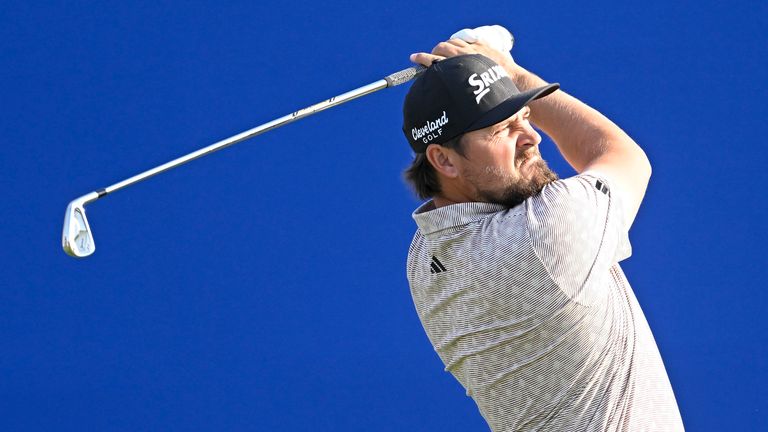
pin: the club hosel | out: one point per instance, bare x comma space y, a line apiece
87, 198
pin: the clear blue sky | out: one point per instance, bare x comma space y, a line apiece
263, 287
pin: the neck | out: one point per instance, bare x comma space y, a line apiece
450, 198
452, 192
442, 202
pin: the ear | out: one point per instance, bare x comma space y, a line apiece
442, 159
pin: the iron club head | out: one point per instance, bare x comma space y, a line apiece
77, 239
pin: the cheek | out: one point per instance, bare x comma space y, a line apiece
490, 164
510, 158
499, 154
504, 158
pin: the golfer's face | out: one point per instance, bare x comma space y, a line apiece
503, 154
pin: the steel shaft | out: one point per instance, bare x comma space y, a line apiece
77, 239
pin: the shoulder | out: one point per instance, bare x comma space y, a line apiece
577, 223
578, 199
586, 186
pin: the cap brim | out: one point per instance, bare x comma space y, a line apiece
512, 105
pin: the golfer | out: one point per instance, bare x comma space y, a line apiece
514, 272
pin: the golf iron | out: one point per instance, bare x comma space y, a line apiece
77, 238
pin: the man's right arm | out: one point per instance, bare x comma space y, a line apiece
588, 140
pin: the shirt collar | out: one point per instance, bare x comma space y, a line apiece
431, 219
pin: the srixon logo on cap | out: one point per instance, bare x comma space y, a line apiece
431, 130
484, 80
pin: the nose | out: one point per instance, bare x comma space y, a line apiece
529, 137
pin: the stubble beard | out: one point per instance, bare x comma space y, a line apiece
510, 190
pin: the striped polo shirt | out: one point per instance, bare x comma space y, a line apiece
529, 310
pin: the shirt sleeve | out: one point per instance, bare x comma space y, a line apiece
578, 230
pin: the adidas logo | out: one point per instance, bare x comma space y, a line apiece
437, 266
601, 187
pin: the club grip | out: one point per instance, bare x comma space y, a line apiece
404, 75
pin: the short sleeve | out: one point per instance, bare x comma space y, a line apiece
578, 230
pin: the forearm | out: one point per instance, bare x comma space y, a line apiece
581, 133
586, 138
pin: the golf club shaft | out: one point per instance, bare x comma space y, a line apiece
392, 80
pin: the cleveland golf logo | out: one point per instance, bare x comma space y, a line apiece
431, 130
484, 80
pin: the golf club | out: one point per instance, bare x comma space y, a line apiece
77, 238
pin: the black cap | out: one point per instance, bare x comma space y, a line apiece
461, 94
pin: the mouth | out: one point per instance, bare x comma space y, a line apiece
528, 161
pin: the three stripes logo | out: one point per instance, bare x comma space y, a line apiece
436, 266
601, 187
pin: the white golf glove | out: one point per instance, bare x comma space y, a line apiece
496, 36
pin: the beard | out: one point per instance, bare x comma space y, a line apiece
513, 190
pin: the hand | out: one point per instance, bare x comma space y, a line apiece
494, 35
491, 41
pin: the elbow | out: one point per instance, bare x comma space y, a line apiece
640, 167
640, 163
647, 169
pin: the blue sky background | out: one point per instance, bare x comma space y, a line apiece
263, 287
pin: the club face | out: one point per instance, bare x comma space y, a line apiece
77, 239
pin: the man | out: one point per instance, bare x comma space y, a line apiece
514, 273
